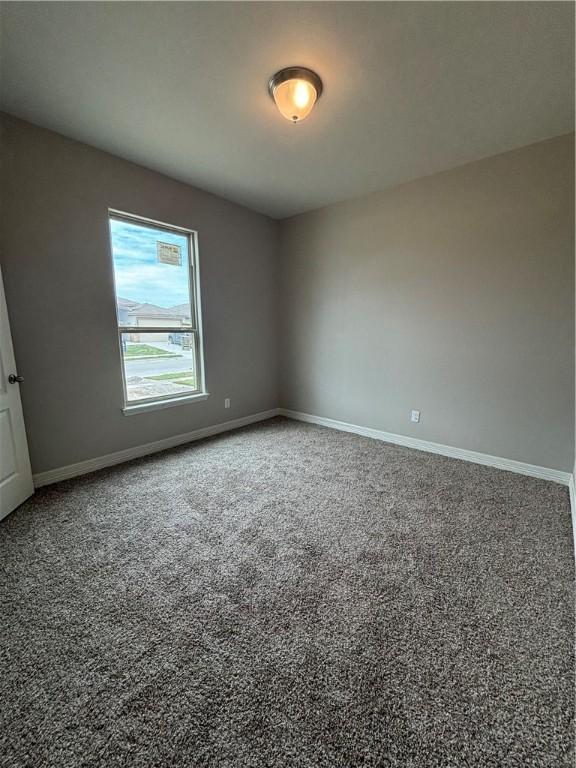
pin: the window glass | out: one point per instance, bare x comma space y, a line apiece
156, 368
157, 324
151, 271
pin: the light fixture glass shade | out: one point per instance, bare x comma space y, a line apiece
295, 99
295, 90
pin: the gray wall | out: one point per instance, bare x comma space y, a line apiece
59, 286
453, 294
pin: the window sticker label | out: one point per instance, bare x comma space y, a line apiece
167, 253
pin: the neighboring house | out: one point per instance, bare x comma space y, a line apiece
133, 314
124, 305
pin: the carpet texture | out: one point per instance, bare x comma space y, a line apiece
287, 595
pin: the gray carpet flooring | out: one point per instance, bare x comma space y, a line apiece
287, 595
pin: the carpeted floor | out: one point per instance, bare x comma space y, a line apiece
288, 596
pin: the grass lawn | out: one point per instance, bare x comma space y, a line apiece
145, 350
188, 380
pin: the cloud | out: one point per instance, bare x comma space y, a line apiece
138, 274
150, 283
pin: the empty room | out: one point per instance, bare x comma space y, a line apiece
287, 384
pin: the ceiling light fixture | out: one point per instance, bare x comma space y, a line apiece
295, 90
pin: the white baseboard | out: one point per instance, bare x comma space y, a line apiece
511, 465
572, 488
110, 459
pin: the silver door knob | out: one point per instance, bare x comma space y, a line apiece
13, 378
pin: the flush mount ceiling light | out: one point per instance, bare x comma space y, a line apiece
295, 91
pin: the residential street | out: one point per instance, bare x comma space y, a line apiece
156, 366
151, 366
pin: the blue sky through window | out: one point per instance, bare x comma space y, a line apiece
138, 273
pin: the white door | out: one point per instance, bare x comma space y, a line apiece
15, 473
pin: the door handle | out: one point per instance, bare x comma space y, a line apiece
13, 379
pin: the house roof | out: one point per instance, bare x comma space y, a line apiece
145, 309
126, 303
183, 308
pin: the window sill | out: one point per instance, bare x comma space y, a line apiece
157, 405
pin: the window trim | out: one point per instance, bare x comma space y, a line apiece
165, 401
143, 406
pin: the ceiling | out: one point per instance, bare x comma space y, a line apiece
410, 88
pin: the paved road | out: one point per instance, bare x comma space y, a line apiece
155, 366
152, 367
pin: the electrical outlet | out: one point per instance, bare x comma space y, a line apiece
227, 403
415, 416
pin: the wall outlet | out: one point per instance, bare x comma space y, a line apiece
227, 403
415, 416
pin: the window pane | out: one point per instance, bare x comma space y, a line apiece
159, 365
151, 271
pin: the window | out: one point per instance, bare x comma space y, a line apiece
158, 310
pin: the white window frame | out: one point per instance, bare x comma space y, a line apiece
200, 393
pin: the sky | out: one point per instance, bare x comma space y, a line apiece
138, 274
